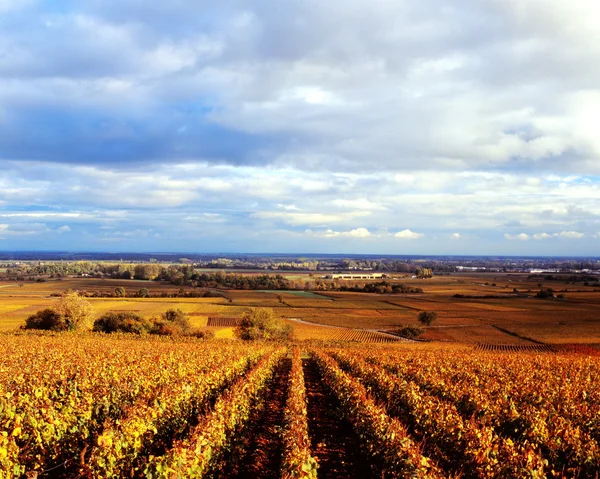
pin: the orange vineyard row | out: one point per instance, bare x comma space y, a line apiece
96, 407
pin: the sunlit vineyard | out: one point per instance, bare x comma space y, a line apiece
95, 407
515, 348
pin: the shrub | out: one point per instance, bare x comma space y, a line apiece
202, 333
211, 293
545, 293
71, 311
177, 317
47, 319
427, 317
122, 322
261, 323
165, 328
173, 322
409, 332
143, 293
76, 311
120, 292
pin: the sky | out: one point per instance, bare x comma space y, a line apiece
338, 126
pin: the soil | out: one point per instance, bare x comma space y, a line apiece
333, 441
258, 452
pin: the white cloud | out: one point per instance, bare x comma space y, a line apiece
520, 237
403, 85
455, 236
306, 219
541, 236
570, 234
544, 236
408, 234
355, 233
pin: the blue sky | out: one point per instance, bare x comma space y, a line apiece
355, 126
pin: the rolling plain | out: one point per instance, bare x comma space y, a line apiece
489, 311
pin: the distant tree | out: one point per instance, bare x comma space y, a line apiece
545, 293
120, 292
261, 323
427, 317
143, 293
146, 271
424, 272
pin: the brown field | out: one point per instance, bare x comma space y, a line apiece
470, 320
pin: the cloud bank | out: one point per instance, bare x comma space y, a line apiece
312, 126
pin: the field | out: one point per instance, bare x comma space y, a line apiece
502, 384
94, 407
487, 310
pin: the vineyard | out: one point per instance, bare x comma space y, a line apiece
93, 407
223, 322
515, 348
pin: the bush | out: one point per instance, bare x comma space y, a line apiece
545, 293
427, 317
173, 322
165, 328
177, 317
122, 322
143, 293
70, 312
410, 332
261, 323
47, 319
76, 311
202, 334
120, 292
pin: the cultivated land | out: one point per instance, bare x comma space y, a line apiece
507, 385
93, 406
489, 310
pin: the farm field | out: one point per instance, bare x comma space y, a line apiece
486, 310
94, 406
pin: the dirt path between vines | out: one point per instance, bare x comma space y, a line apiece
333, 441
260, 449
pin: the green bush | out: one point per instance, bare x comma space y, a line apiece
48, 320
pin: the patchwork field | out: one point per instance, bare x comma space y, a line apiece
471, 308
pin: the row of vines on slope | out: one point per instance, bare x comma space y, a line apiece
92, 404
93, 407
545, 404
